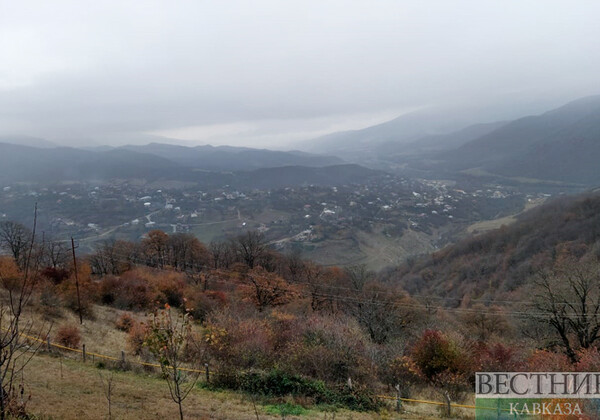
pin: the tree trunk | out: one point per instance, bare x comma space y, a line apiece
180, 410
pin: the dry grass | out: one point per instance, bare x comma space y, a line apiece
75, 392
98, 334
68, 389
487, 225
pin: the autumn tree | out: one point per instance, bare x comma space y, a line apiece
187, 253
155, 247
567, 298
267, 289
443, 363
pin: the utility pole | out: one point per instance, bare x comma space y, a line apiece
76, 280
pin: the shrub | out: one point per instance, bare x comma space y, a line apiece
130, 291
87, 291
402, 372
241, 343
548, 361
56, 275
498, 358
276, 383
201, 304
169, 287
331, 349
588, 360
434, 354
125, 322
136, 337
68, 336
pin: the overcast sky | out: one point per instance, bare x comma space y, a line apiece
270, 73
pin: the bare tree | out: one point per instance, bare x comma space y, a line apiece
318, 279
16, 238
484, 321
267, 289
359, 276
187, 253
567, 298
112, 257
108, 388
250, 248
56, 254
378, 307
15, 352
222, 254
294, 265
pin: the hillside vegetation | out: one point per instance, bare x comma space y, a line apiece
498, 264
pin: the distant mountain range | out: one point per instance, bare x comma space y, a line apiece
562, 145
226, 158
559, 145
376, 139
205, 165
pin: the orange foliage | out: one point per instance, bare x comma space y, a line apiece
125, 322
10, 276
69, 336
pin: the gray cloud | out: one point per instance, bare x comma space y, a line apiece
272, 71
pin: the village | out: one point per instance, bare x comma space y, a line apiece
300, 214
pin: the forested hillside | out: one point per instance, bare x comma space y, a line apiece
499, 263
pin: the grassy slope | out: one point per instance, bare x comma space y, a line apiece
68, 389
487, 225
77, 393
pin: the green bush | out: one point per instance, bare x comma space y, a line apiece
276, 383
286, 409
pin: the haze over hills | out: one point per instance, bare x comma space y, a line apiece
560, 145
25, 163
226, 158
446, 141
402, 130
28, 141
204, 165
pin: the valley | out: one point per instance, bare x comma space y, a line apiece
380, 222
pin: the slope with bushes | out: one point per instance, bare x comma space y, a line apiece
499, 263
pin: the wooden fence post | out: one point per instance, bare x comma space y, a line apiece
123, 357
448, 403
398, 400
83, 348
48, 343
207, 373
